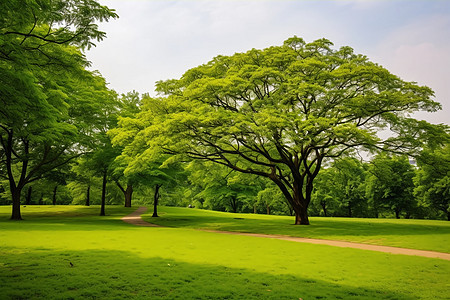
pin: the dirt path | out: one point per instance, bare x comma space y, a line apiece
135, 219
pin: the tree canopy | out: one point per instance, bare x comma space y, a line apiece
281, 111
44, 85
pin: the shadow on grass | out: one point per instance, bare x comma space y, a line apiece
96, 274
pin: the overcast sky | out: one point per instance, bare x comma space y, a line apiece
161, 39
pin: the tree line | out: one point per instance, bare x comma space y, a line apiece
276, 130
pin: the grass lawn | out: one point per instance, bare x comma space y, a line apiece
414, 234
115, 260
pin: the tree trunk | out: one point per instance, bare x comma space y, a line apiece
88, 196
28, 199
324, 207
268, 209
301, 187
301, 216
128, 195
301, 209
397, 213
233, 203
41, 199
155, 201
102, 209
16, 215
54, 195
298, 202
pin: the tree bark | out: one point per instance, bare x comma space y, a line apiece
397, 213
233, 203
268, 209
128, 195
155, 201
102, 208
301, 216
324, 207
28, 199
301, 205
54, 195
16, 215
15, 189
88, 196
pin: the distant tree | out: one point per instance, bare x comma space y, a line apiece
137, 165
323, 196
129, 104
390, 184
280, 112
349, 184
340, 188
432, 182
82, 181
271, 199
221, 188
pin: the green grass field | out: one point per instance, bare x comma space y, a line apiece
414, 234
115, 260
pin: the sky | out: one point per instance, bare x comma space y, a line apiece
161, 39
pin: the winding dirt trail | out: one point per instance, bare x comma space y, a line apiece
135, 219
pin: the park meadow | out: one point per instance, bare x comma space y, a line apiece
237, 161
69, 252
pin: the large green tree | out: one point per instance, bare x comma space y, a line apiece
42, 74
280, 112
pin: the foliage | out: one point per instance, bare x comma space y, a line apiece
340, 189
220, 188
390, 185
42, 76
137, 164
280, 112
432, 182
